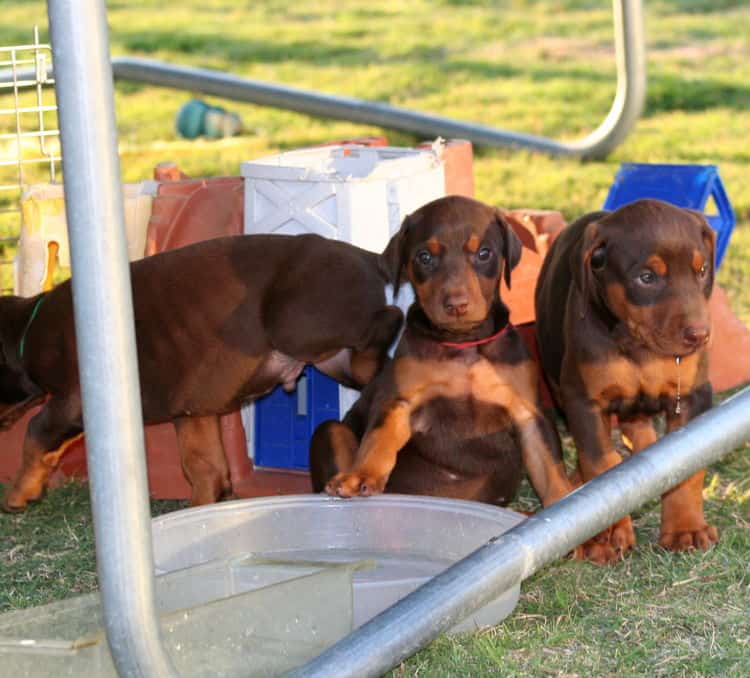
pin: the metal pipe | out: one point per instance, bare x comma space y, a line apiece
626, 108
630, 95
445, 600
105, 336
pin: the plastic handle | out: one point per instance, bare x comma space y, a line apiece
302, 396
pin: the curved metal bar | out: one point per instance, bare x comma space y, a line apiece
626, 108
630, 95
402, 629
106, 337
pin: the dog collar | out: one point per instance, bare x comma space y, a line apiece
34, 311
477, 342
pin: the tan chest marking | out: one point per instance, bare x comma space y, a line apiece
512, 387
620, 378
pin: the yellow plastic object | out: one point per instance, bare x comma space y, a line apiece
43, 245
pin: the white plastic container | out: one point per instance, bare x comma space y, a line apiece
410, 538
358, 194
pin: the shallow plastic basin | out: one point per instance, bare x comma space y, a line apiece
237, 616
410, 539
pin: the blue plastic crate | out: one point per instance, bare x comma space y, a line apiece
682, 185
285, 422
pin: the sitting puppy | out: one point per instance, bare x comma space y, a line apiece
456, 413
622, 326
217, 323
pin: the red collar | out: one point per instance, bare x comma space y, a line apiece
477, 342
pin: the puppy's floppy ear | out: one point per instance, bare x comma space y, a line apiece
511, 246
709, 238
589, 259
393, 258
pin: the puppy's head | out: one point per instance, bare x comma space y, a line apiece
453, 251
652, 265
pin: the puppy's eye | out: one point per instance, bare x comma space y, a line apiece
484, 254
424, 257
703, 271
598, 258
647, 276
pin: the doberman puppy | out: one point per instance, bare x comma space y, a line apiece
217, 323
622, 327
456, 413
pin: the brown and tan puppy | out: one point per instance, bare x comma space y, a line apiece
622, 327
456, 413
217, 323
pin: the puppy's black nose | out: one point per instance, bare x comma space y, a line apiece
696, 335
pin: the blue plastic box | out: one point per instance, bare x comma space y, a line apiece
284, 422
682, 185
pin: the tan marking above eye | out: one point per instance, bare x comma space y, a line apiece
698, 261
473, 243
433, 246
657, 265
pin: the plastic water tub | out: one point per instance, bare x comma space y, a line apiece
410, 539
235, 616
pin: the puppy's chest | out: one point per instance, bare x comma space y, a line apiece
461, 398
625, 387
459, 418
465, 376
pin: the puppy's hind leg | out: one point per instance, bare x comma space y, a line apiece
332, 450
48, 436
204, 461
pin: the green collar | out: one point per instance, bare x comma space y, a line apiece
34, 311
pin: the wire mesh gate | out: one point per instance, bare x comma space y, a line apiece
29, 140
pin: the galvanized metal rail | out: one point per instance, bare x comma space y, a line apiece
104, 326
630, 95
106, 336
411, 623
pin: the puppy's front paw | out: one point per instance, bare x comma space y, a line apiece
609, 546
702, 538
598, 553
14, 501
622, 535
355, 485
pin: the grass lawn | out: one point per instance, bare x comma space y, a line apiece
539, 66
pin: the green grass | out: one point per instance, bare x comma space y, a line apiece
655, 614
539, 66
47, 552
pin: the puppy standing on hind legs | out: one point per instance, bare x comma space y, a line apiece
456, 413
622, 328
217, 323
